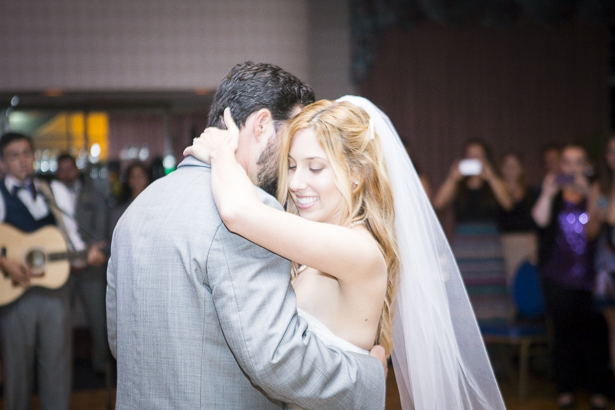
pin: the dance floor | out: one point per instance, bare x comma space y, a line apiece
542, 395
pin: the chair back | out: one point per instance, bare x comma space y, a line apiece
527, 293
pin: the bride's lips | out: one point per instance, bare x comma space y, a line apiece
306, 202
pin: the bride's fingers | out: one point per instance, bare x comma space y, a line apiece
208, 131
229, 121
233, 130
188, 151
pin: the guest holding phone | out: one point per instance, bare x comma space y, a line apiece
567, 225
476, 193
473, 187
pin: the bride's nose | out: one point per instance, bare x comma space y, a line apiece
296, 182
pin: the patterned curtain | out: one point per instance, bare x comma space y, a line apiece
371, 18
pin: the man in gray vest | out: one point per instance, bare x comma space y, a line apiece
201, 318
34, 329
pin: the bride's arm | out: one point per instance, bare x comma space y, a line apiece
347, 254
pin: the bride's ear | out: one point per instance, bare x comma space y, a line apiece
263, 122
355, 180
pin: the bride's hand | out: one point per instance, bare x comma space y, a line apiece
214, 139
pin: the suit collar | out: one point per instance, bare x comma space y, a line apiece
191, 161
11, 182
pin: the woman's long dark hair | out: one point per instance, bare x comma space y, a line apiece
126, 194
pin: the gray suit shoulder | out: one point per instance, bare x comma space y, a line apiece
268, 199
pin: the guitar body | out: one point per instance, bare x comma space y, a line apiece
32, 249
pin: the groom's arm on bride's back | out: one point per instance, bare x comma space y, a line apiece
256, 307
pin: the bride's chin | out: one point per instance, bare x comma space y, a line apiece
306, 215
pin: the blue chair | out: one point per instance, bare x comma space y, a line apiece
527, 328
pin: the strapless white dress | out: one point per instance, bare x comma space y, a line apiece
328, 338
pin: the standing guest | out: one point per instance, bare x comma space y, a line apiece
550, 158
86, 217
580, 352
604, 208
35, 329
519, 241
156, 169
476, 198
136, 179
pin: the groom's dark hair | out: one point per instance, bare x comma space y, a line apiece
249, 87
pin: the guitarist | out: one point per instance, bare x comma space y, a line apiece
36, 328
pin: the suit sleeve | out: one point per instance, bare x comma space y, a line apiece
100, 220
111, 302
256, 306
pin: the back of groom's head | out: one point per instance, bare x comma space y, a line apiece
249, 87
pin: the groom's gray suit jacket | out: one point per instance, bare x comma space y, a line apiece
201, 318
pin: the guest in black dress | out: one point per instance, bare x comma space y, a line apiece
477, 247
519, 242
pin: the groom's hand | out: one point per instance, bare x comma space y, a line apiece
379, 353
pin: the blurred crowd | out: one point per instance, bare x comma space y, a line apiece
564, 225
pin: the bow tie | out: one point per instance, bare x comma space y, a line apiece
29, 186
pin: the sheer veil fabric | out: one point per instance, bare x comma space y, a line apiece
439, 357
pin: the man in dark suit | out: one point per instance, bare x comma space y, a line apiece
86, 217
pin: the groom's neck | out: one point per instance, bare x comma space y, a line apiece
243, 159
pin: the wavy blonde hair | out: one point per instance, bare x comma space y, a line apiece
355, 154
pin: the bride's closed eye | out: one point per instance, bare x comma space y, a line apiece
292, 164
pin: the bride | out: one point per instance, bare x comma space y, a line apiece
371, 264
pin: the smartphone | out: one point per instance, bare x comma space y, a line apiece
469, 167
564, 179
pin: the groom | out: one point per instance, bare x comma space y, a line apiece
200, 318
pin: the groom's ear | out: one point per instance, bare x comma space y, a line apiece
262, 124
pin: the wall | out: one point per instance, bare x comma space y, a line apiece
84, 45
329, 48
517, 88
145, 44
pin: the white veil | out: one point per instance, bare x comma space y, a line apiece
438, 355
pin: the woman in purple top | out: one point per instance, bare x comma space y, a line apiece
567, 227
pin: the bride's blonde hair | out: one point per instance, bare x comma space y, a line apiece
355, 154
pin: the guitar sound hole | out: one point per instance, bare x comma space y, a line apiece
35, 259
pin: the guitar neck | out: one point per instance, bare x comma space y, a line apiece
70, 255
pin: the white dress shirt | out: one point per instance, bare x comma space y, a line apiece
66, 199
37, 207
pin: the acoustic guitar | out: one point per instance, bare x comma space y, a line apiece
44, 251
